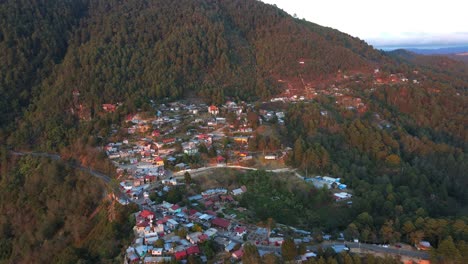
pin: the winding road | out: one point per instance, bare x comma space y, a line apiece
352, 245
103, 177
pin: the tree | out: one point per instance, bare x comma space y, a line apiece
387, 232
447, 252
251, 255
270, 258
288, 249
298, 151
187, 178
252, 117
393, 160
159, 243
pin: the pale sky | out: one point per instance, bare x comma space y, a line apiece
385, 23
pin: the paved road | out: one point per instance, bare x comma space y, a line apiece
202, 169
370, 247
375, 248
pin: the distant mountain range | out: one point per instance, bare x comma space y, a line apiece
447, 50
425, 50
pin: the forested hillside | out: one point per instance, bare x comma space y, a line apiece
33, 38
404, 155
129, 51
52, 213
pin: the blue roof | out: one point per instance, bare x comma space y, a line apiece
339, 248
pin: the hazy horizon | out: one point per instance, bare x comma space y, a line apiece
416, 46
383, 24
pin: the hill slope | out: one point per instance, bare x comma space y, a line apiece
115, 50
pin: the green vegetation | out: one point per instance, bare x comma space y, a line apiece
289, 201
52, 213
408, 180
62, 59
324, 257
106, 52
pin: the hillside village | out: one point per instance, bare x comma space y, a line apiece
156, 154
152, 158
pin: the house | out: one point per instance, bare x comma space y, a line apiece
132, 256
241, 139
156, 260
193, 250
190, 148
175, 208
171, 181
208, 203
159, 162
180, 255
220, 159
202, 238
169, 141
172, 224
339, 248
423, 245
308, 255
211, 232
194, 238
226, 198
341, 196
140, 227
214, 110
147, 215
150, 178
155, 133
212, 192
110, 108
230, 247
277, 241
240, 231
239, 191
238, 254
157, 251
195, 198
221, 223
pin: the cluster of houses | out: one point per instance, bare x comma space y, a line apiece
331, 183
168, 231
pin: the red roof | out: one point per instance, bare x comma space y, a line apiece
169, 140
180, 255
109, 107
143, 224
175, 207
210, 212
240, 229
158, 159
192, 211
203, 136
129, 117
213, 108
221, 222
208, 203
238, 254
146, 213
193, 250
227, 198
203, 237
